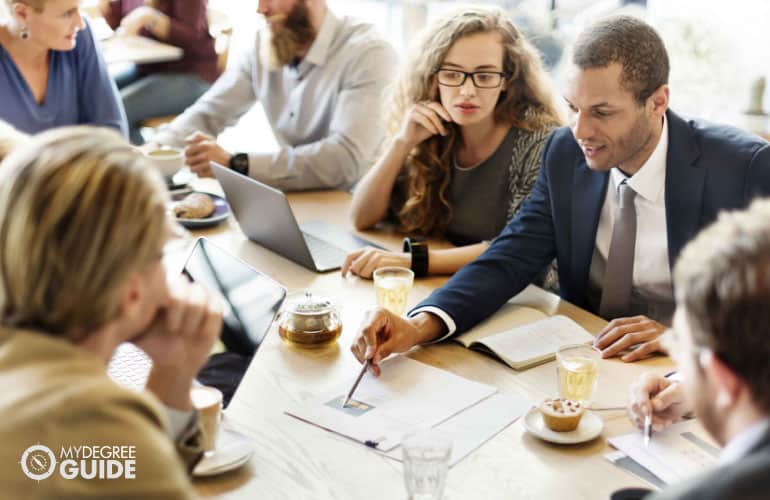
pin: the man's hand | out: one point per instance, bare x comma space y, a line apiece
659, 397
382, 333
623, 333
364, 261
137, 19
201, 150
179, 341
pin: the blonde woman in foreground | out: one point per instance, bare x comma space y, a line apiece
469, 118
82, 228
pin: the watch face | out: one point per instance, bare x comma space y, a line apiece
240, 163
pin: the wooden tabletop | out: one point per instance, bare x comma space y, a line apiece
294, 460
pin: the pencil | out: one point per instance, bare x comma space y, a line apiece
647, 430
358, 381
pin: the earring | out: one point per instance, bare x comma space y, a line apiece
24, 33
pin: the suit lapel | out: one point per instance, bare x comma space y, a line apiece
588, 195
684, 186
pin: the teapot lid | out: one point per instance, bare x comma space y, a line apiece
308, 304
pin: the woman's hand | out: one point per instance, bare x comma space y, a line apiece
363, 262
424, 119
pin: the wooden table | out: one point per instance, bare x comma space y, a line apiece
297, 461
138, 50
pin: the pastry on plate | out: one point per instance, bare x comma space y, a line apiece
561, 415
194, 206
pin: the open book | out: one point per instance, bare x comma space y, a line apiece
523, 336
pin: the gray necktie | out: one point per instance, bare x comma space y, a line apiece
619, 273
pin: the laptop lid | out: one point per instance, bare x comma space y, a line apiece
264, 215
252, 301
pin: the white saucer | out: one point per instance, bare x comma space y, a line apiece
589, 428
233, 450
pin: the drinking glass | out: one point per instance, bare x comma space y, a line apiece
577, 372
426, 461
392, 285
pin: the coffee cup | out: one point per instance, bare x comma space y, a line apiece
166, 160
208, 402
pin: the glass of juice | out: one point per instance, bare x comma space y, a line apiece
577, 372
392, 285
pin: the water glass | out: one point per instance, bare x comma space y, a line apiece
426, 461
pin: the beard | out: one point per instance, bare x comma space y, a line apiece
288, 39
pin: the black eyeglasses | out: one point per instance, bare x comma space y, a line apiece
481, 79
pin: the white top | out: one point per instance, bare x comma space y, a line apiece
739, 446
326, 112
652, 275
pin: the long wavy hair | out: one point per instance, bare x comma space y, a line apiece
526, 102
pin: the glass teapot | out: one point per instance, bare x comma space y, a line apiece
309, 321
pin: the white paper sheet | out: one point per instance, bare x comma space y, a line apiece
681, 451
478, 424
407, 396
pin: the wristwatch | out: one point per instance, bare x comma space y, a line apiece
240, 163
418, 247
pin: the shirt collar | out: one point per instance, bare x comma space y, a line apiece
740, 445
650, 180
319, 49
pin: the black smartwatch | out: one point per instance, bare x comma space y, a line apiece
240, 163
419, 250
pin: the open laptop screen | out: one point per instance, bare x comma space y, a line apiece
252, 299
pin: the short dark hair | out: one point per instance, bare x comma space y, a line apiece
722, 282
632, 43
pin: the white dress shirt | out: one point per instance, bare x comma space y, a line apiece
652, 276
326, 112
740, 445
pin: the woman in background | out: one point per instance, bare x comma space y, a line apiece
51, 74
160, 89
469, 119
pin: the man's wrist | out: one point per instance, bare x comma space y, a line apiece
428, 327
171, 389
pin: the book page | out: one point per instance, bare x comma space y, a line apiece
509, 316
536, 342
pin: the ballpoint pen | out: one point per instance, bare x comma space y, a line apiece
358, 381
647, 430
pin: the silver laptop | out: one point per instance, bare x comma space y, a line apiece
265, 217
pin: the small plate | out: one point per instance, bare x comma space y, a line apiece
233, 450
589, 428
221, 211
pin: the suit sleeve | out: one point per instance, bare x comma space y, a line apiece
758, 179
511, 262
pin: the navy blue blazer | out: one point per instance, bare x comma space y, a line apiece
709, 168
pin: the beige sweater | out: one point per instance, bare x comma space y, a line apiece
55, 394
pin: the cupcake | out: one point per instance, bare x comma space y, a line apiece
561, 415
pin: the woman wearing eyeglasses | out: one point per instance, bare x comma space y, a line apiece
470, 115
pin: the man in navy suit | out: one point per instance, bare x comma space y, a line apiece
620, 192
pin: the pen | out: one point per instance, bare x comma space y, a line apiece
647, 430
358, 381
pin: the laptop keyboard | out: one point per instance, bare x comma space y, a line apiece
324, 253
130, 367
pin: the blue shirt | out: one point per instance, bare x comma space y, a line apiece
79, 91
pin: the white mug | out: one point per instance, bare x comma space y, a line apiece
167, 160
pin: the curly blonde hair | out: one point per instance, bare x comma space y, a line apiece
526, 102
